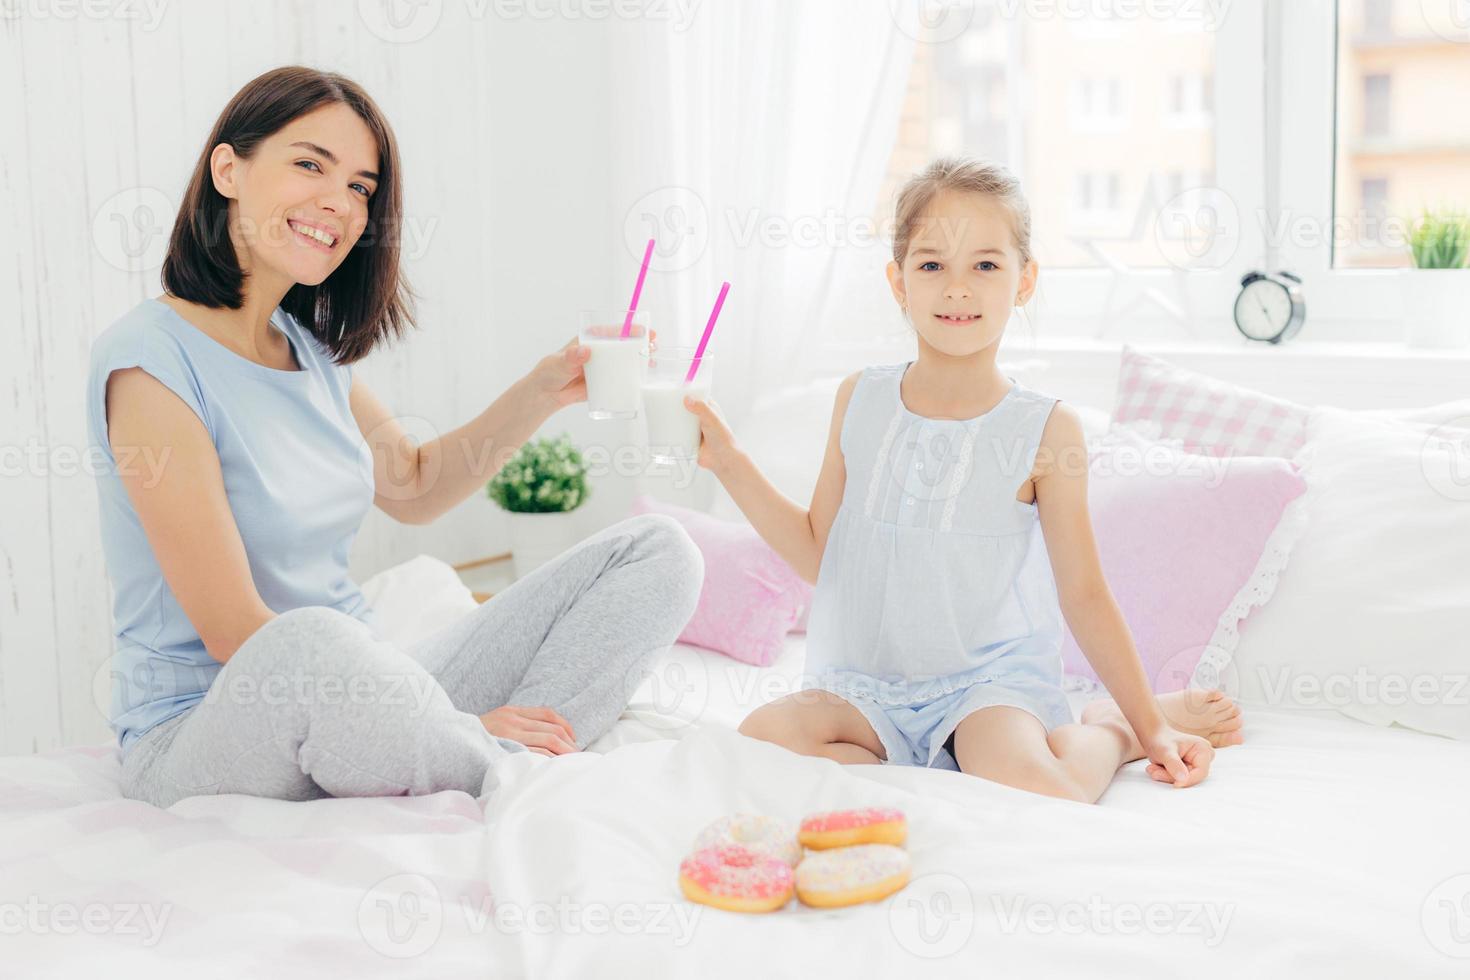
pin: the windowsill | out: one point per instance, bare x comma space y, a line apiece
1300, 347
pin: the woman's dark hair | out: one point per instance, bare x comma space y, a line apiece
366, 299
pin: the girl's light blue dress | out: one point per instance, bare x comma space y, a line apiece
935, 596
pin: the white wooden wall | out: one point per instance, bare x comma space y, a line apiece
504, 123
101, 119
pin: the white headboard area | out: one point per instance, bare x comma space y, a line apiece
1350, 376
786, 434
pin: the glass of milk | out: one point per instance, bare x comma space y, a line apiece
615, 370
673, 430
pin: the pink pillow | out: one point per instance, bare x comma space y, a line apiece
1210, 416
751, 597
1189, 544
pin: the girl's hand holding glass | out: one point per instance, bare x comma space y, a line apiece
717, 449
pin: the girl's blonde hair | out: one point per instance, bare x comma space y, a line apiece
960, 174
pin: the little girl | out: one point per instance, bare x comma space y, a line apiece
948, 535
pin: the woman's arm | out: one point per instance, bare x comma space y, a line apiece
183, 508
415, 484
798, 534
1087, 603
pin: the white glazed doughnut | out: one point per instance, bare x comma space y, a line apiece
761, 834
849, 875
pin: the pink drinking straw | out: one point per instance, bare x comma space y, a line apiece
637, 289
709, 328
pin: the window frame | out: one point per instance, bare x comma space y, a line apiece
1344, 303
1070, 298
1275, 107
1287, 208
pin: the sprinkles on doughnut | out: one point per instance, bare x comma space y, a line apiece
844, 828
850, 875
764, 835
736, 879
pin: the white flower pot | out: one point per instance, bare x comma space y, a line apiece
535, 539
1436, 307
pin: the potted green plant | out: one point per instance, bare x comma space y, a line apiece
1437, 289
538, 488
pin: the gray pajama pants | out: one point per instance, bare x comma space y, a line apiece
312, 705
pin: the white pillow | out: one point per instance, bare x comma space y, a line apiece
416, 598
1371, 616
1454, 415
785, 435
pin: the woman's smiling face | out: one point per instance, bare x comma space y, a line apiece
963, 273
300, 203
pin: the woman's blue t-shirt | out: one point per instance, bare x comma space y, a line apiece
297, 472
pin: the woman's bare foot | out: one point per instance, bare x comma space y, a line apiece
1209, 714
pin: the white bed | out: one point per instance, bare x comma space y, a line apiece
1320, 847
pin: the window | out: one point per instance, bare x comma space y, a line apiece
1097, 105
1189, 101
1084, 192
1377, 91
1298, 136
1097, 175
1402, 142
1374, 194
1098, 196
1378, 18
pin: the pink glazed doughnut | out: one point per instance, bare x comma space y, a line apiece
736, 879
843, 828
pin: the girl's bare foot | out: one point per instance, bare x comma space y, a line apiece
1209, 714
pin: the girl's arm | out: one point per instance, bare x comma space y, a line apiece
1087, 603
798, 534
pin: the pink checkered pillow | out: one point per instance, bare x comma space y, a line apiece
1209, 416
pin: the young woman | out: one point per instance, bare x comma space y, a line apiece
245, 454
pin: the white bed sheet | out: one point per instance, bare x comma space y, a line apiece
1315, 849
1326, 847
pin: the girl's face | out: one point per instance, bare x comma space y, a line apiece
963, 274
307, 182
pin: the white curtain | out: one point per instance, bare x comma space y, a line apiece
751, 141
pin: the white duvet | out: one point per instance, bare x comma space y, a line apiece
1320, 848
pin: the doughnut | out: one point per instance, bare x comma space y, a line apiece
843, 828
850, 875
764, 835
736, 879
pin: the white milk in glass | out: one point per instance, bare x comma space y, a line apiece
673, 430
616, 367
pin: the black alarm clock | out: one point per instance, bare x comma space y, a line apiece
1270, 306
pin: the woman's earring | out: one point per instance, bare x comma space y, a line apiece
340, 330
